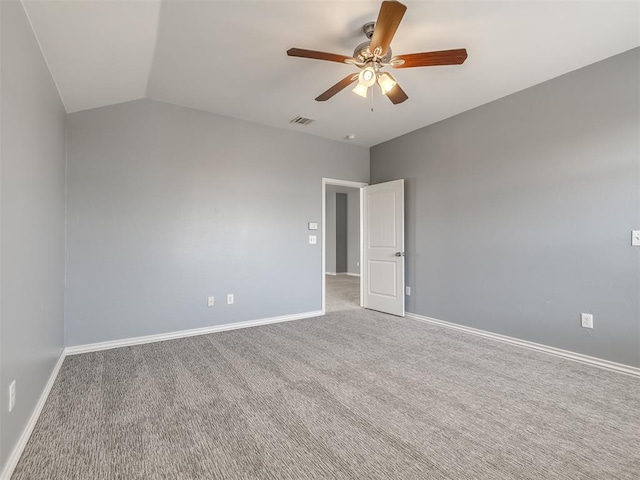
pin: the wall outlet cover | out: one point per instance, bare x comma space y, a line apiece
635, 238
586, 320
211, 301
313, 239
407, 291
230, 298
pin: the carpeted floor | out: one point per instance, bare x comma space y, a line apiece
342, 292
352, 395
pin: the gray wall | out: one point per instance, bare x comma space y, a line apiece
330, 225
32, 155
353, 232
167, 205
519, 212
341, 232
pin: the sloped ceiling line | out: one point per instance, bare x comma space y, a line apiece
228, 57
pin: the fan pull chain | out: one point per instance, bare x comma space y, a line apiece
372, 94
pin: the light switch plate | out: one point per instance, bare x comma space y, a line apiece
313, 240
313, 226
12, 396
635, 238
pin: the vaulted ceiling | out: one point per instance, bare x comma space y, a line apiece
228, 57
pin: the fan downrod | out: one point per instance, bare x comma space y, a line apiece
367, 28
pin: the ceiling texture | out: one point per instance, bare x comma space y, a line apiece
229, 57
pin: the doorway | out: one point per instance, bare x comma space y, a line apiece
342, 245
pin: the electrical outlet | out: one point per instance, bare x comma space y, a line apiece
12, 395
586, 320
407, 291
229, 298
635, 238
211, 301
357, 264
313, 240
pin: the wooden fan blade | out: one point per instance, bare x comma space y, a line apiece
331, 57
428, 59
341, 85
391, 13
396, 94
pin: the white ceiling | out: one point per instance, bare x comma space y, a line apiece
99, 52
228, 57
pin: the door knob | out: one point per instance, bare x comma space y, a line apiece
399, 254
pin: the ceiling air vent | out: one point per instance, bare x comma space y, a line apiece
301, 121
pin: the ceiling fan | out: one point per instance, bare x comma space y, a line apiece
371, 56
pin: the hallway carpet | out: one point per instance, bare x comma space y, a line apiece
352, 395
342, 293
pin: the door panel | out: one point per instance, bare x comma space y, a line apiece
383, 228
382, 279
382, 231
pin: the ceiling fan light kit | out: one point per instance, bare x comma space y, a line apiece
361, 90
371, 56
386, 82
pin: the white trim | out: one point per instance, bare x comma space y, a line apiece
125, 342
577, 357
13, 459
331, 273
362, 246
342, 183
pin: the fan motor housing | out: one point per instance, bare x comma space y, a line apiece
362, 53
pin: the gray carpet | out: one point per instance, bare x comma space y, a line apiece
352, 395
342, 293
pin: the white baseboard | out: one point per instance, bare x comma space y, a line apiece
330, 273
13, 459
95, 347
577, 357
351, 274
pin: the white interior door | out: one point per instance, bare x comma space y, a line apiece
383, 255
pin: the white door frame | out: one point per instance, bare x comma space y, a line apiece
342, 183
